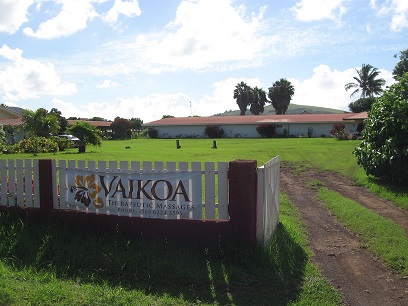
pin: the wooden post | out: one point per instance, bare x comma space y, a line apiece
243, 199
45, 184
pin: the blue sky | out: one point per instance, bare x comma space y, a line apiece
149, 58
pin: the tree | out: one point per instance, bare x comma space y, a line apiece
2, 134
280, 95
40, 122
62, 121
367, 82
258, 101
98, 119
121, 128
361, 105
86, 133
384, 150
136, 124
243, 94
402, 65
167, 116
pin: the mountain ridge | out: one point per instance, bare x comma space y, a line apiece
292, 110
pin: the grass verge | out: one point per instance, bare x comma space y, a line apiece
56, 264
382, 237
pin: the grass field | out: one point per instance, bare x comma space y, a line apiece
49, 263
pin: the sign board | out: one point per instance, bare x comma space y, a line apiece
167, 195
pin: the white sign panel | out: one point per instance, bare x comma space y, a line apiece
149, 195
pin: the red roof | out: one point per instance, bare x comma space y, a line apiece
358, 116
93, 123
262, 119
11, 121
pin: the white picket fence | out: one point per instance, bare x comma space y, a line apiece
19, 183
19, 186
268, 199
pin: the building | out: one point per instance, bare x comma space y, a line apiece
317, 125
11, 118
103, 126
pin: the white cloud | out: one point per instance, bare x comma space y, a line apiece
313, 10
13, 14
154, 106
67, 109
127, 8
204, 34
107, 84
27, 78
397, 9
326, 87
72, 18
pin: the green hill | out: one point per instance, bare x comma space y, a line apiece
292, 109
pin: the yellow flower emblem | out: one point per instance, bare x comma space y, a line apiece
86, 191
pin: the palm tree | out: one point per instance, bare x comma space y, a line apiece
258, 101
367, 82
243, 95
280, 95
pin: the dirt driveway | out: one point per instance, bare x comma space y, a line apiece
358, 275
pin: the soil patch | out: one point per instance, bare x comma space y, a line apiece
359, 276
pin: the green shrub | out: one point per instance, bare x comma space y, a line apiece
384, 150
339, 131
153, 133
37, 145
213, 131
266, 130
62, 143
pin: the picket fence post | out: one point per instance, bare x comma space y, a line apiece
46, 184
243, 199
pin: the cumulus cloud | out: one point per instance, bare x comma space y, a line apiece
313, 10
203, 34
325, 88
72, 18
26, 78
13, 14
396, 9
154, 106
126, 8
107, 84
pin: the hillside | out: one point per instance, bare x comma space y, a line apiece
292, 109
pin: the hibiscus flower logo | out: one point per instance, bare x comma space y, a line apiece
86, 191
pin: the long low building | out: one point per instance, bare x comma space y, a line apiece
315, 125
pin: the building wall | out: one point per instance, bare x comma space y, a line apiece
249, 130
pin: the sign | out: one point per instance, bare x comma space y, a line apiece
167, 195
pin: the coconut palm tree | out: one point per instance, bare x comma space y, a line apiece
367, 82
258, 101
243, 94
280, 95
